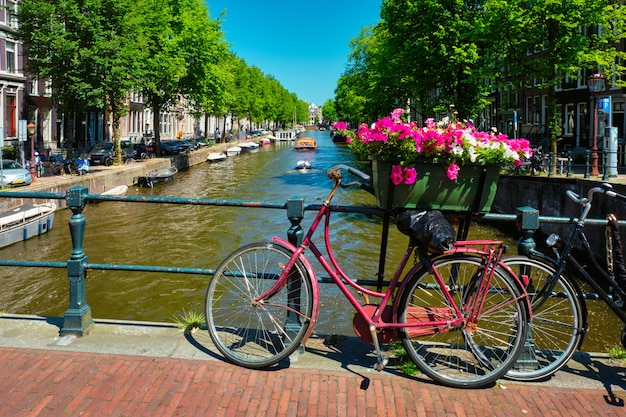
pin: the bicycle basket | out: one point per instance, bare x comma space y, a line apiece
428, 229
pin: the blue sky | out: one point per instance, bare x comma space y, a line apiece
303, 44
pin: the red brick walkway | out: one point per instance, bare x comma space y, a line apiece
55, 383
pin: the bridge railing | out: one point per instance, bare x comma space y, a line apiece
78, 319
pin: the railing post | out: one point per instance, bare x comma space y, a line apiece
77, 320
527, 223
295, 214
605, 165
587, 157
569, 164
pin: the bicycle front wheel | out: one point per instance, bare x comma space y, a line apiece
252, 332
558, 324
478, 352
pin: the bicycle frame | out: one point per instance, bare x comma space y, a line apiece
565, 256
377, 322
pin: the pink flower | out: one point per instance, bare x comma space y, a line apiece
340, 126
410, 175
396, 174
453, 171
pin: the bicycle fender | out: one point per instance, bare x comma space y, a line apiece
314, 284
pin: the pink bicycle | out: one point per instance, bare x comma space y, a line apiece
462, 316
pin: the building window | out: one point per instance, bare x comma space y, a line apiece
32, 86
569, 126
10, 18
10, 51
48, 87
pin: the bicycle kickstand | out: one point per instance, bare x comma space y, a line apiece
381, 360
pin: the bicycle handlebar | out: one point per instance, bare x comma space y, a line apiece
332, 172
604, 189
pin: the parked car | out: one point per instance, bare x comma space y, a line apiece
102, 154
14, 174
170, 147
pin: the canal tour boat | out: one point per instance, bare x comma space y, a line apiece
306, 144
25, 221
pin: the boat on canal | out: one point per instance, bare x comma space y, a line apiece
25, 221
233, 150
119, 190
215, 156
303, 164
157, 176
306, 144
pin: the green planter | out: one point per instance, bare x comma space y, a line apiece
434, 190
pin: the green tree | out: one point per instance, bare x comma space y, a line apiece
86, 48
549, 41
329, 111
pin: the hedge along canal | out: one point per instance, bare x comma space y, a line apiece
201, 236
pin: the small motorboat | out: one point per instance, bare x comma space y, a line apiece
119, 190
306, 144
233, 150
303, 164
248, 146
157, 176
25, 221
216, 156
266, 141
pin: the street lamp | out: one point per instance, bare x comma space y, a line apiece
31, 133
596, 84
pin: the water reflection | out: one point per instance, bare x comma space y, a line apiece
201, 236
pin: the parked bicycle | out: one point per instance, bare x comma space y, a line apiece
559, 311
462, 316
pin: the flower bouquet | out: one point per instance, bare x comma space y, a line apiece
446, 165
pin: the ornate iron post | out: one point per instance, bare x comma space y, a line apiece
77, 320
295, 214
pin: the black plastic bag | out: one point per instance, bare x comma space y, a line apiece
428, 229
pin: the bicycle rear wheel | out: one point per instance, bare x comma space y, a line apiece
558, 324
258, 333
472, 355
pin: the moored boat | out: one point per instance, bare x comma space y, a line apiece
216, 156
119, 190
306, 144
233, 150
157, 176
248, 146
25, 221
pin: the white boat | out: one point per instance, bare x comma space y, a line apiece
25, 221
119, 190
248, 146
233, 150
303, 164
216, 156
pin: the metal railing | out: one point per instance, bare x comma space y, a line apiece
78, 319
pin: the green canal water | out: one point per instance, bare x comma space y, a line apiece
201, 236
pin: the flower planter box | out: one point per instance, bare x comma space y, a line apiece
434, 190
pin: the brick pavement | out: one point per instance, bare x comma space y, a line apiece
58, 383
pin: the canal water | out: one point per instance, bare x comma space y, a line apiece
201, 236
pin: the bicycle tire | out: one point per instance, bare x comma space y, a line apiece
468, 356
544, 166
558, 324
252, 334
